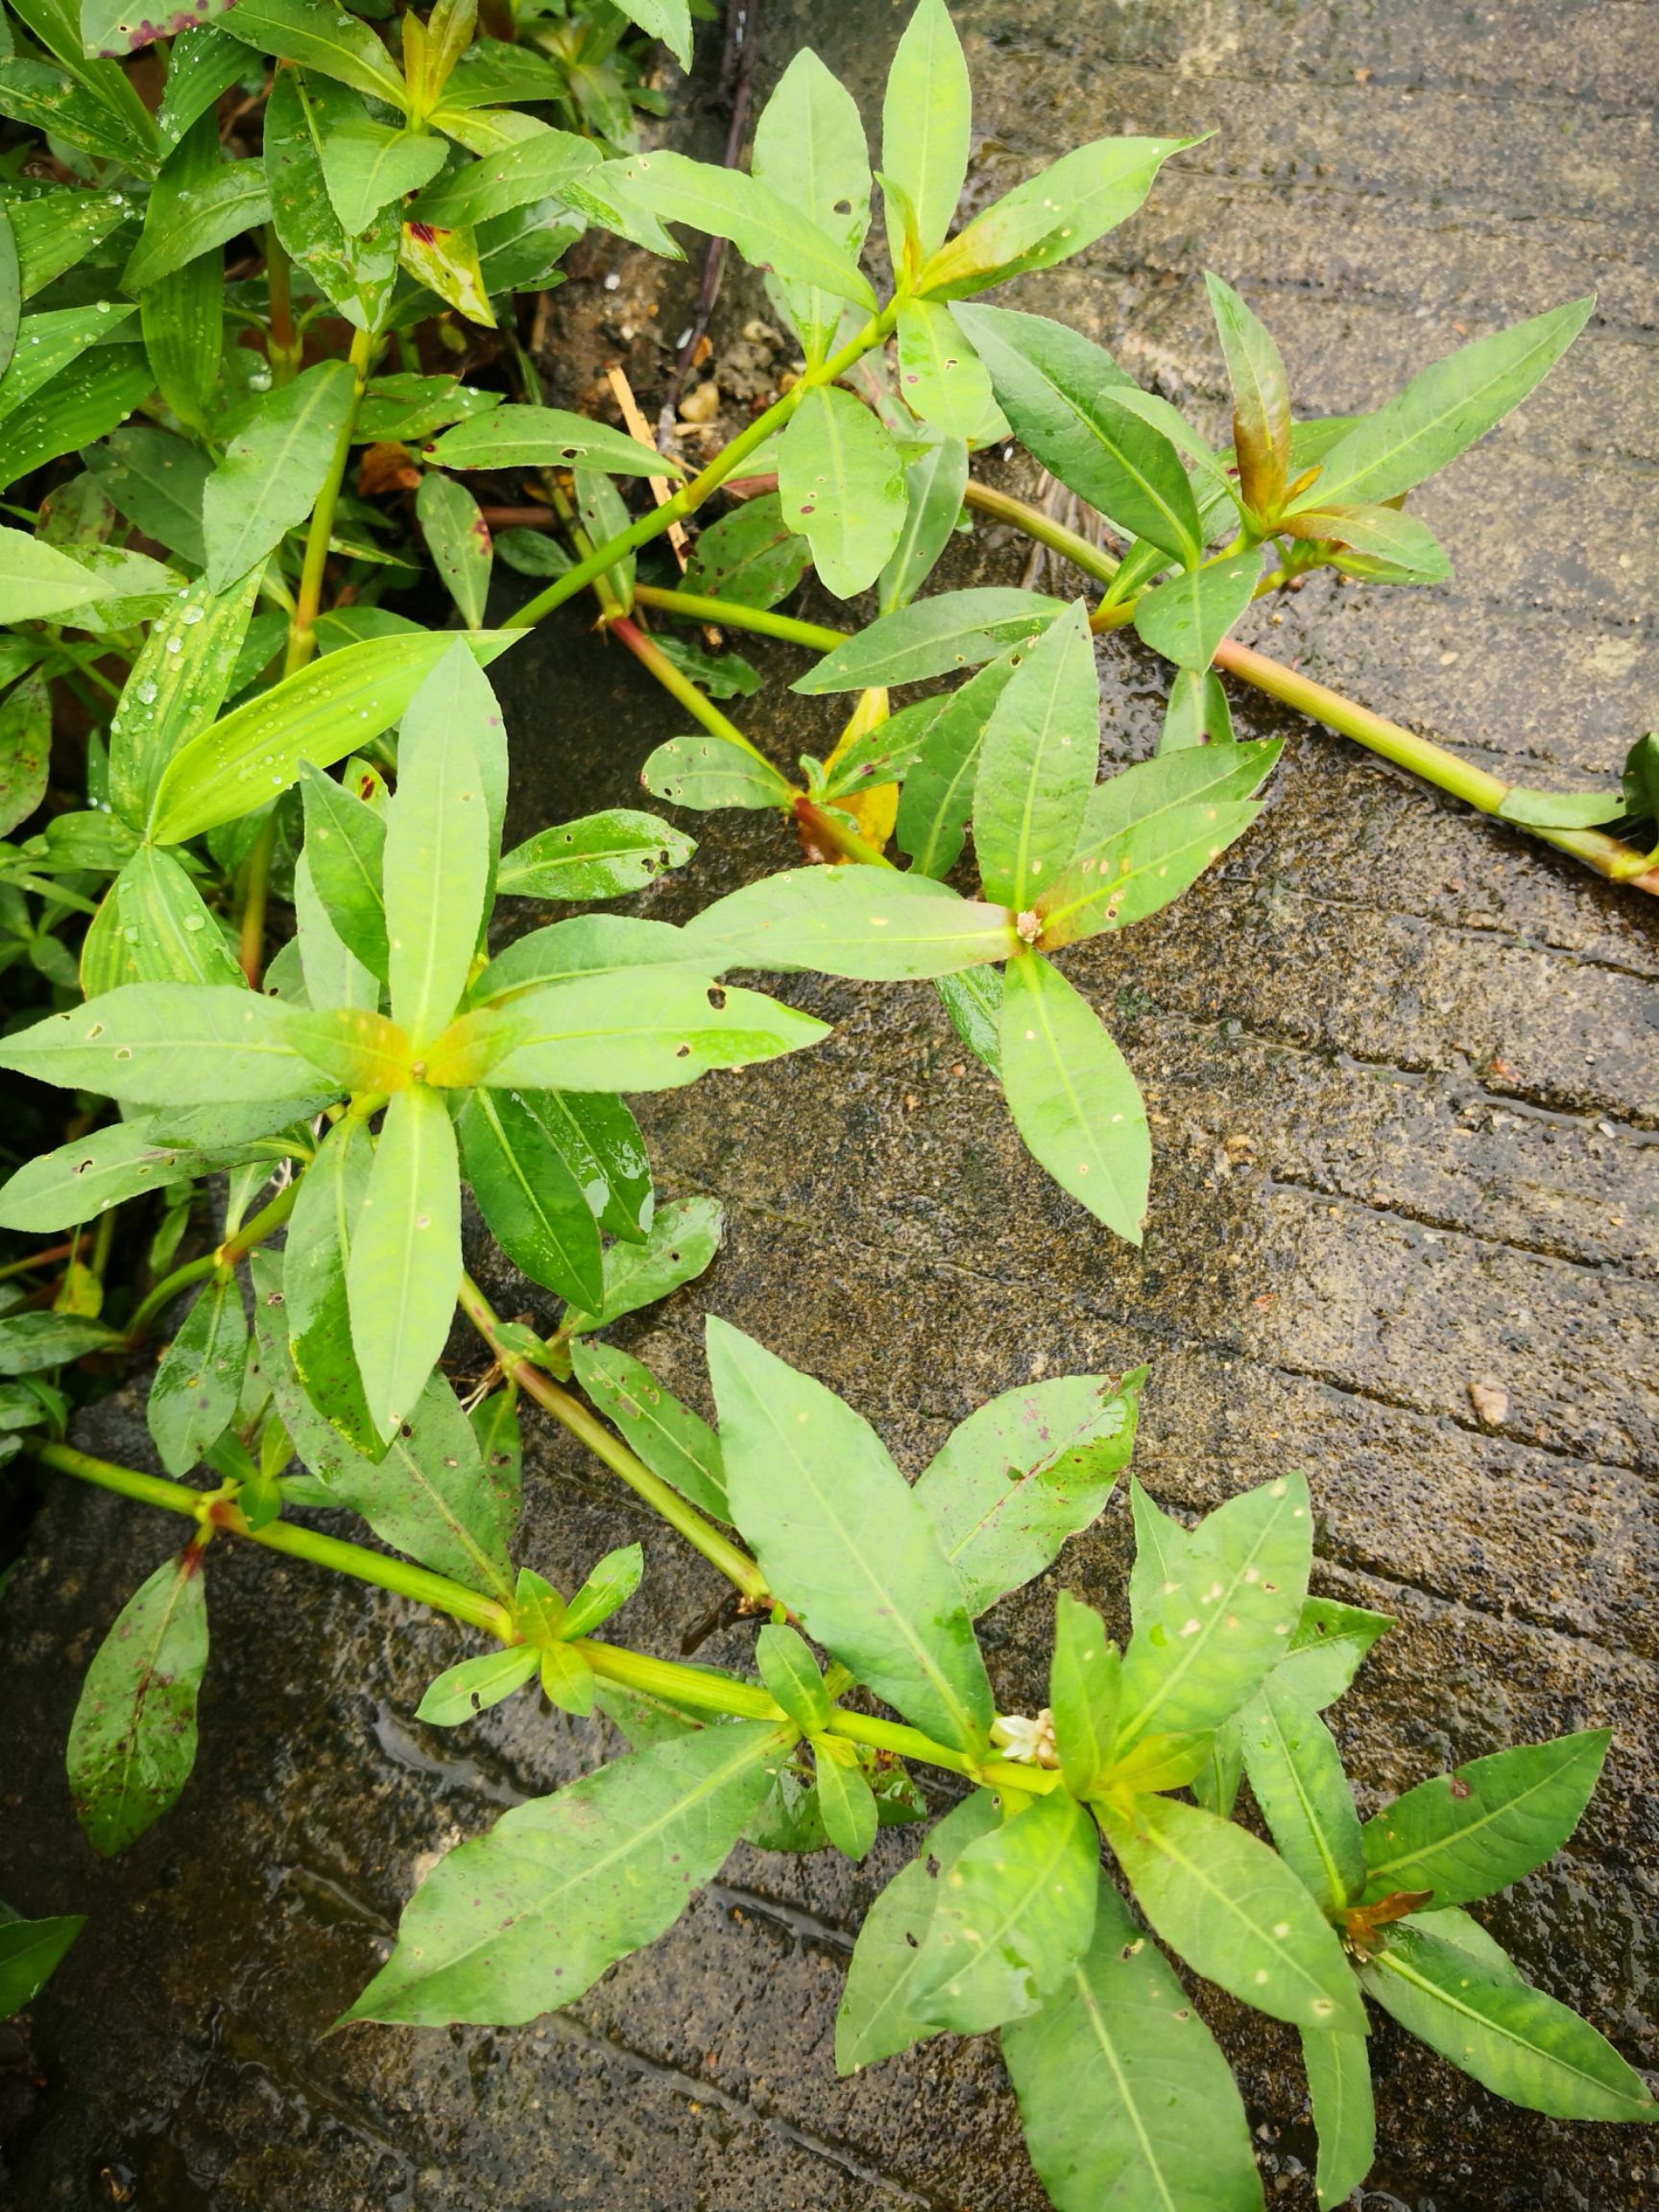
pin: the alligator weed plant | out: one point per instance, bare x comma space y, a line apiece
244, 261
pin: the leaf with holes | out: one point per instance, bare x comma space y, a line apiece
600, 857
1466, 1833
132, 1740
841, 480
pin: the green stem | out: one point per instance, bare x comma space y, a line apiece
222, 1260
301, 632
690, 496
1044, 528
702, 1535
282, 344
694, 607
696, 703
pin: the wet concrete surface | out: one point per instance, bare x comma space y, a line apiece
1404, 1091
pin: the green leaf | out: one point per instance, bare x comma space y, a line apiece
751, 556
766, 229
844, 1540
194, 1396
877, 2018
1560, 809
329, 708
320, 36
458, 539
1083, 1692
29, 1951
80, 405
600, 857
1639, 781
1513, 2039
529, 1193
1058, 391
1234, 1911
314, 1280
1038, 764
357, 275
1296, 1771
611, 1585
934, 485
145, 1044
542, 437
405, 1264
790, 1672
841, 480
604, 515
704, 772
73, 104
809, 150
202, 63
845, 1799
508, 178
177, 686
1148, 832
32, 1341
1023, 1473
114, 27
1073, 1098
169, 933
335, 979
927, 119
132, 1740
48, 343
193, 211
58, 228
1213, 1610
85, 1178
1124, 2097
1338, 2069
885, 752
682, 1241
665, 1028
437, 857
1052, 216
272, 471
1443, 411
37, 582
1197, 713
25, 750
1383, 536
409, 407
157, 482
939, 636
531, 1915
940, 376
672, 1440
866, 923
345, 845
1326, 1648
973, 1002
367, 165
462, 1692
11, 312
1261, 399
938, 793
584, 945
1186, 619
1467, 1834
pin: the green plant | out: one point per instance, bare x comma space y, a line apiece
197, 618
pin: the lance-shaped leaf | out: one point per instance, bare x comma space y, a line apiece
1052, 216
940, 376
156, 481
881, 751
1443, 411
60, 228
73, 103
30, 1952
30, 1342
846, 1800
1385, 539
334, 707
530, 169
1083, 1691
767, 231
462, 1692
600, 857
37, 582
345, 847
529, 1916
198, 1382
867, 922
272, 471
934, 485
542, 437
405, 1264
313, 34
708, 772
1198, 712
1038, 764
25, 751
663, 1030
809, 150
437, 857
458, 539
335, 979
1023, 1473
132, 1740
939, 636
844, 1540
1338, 2069
358, 1049
147, 1044
1296, 1771
1013, 1915
674, 1442
85, 1178
1326, 1648
791, 1674
367, 165
1124, 2097
841, 481
194, 203
356, 274
584, 945
83, 403
49, 342
314, 1273
926, 115
529, 1192
1073, 1098
1466, 1833
876, 2016
1057, 390
751, 557
445, 261
169, 934
1515, 2041
1186, 619
11, 292
1234, 1911
682, 1241
610, 1586
118, 28
177, 686
1261, 399
938, 793
204, 212
1215, 1609
1148, 831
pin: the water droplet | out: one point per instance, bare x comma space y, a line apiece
191, 616
195, 921
147, 693
174, 645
